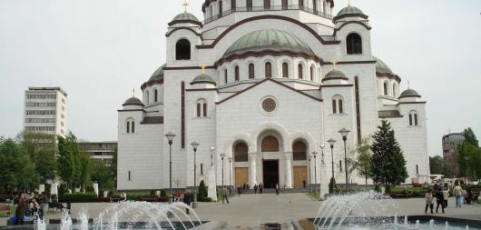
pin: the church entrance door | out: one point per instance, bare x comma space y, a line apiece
271, 173
300, 177
241, 176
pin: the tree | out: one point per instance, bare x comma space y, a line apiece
469, 159
436, 165
362, 164
42, 149
202, 195
16, 169
102, 174
73, 165
470, 137
388, 163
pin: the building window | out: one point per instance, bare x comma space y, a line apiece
337, 104
385, 89
241, 152
394, 90
334, 106
201, 108
268, 70
237, 73
300, 71
220, 8
312, 73
340, 166
201, 169
340, 106
270, 144
182, 50
267, 4
233, 5
413, 118
301, 4
284, 4
285, 70
354, 44
417, 169
249, 5
156, 95
225, 76
204, 107
315, 6
251, 71
299, 150
132, 126
129, 176
147, 97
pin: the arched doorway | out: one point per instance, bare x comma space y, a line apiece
299, 150
241, 156
270, 167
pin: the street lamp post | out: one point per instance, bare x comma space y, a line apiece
331, 144
170, 136
194, 146
230, 171
344, 133
222, 158
309, 170
315, 169
322, 153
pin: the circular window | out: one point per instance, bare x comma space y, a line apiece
269, 105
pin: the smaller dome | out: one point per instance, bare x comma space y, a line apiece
382, 67
133, 101
185, 17
350, 11
203, 78
158, 75
335, 74
409, 93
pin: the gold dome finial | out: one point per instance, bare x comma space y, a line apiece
133, 92
202, 68
409, 85
334, 64
185, 5
349, 3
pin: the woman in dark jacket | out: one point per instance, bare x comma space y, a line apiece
439, 200
187, 199
20, 211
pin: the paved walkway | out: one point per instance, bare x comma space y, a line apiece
250, 211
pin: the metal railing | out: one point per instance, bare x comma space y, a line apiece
270, 8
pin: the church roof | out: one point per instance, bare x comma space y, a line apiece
185, 16
409, 93
382, 67
158, 75
203, 78
350, 11
133, 101
334, 74
269, 39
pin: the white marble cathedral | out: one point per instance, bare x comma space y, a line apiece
262, 85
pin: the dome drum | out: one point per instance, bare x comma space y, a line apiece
156, 78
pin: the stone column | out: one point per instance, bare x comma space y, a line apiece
252, 169
288, 169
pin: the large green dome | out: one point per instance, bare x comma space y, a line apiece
274, 40
382, 67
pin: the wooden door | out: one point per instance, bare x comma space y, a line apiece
300, 177
241, 176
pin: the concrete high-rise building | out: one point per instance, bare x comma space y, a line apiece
46, 110
450, 152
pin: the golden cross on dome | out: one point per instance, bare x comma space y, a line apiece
185, 5
409, 85
202, 68
334, 64
133, 92
349, 3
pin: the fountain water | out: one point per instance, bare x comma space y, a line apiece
83, 221
367, 210
40, 224
66, 221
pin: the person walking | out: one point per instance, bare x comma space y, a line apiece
277, 189
20, 211
187, 199
439, 200
224, 194
255, 188
458, 193
260, 188
429, 201
239, 190
43, 200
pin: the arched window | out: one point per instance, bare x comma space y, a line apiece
147, 97
241, 152
285, 70
394, 90
312, 73
300, 71
156, 95
220, 8
233, 5
268, 70
417, 169
284, 4
225, 76
315, 6
236, 73
251, 71
301, 4
249, 5
299, 150
201, 108
337, 105
132, 126
270, 144
354, 44
182, 50
340, 165
267, 4
413, 118
128, 126
386, 89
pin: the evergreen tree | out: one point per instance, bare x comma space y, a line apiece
362, 164
388, 164
202, 194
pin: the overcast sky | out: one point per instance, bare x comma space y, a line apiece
99, 50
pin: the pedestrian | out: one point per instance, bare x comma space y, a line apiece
439, 200
43, 200
429, 201
260, 188
187, 199
458, 193
277, 189
239, 190
20, 211
224, 194
255, 188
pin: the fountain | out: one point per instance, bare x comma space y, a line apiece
66, 221
370, 210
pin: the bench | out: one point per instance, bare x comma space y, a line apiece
5, 209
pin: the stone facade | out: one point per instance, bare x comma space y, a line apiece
276, 82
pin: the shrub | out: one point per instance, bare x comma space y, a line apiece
377, 188
332, 185
78, 198
202, 195
388, 188
163, 193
